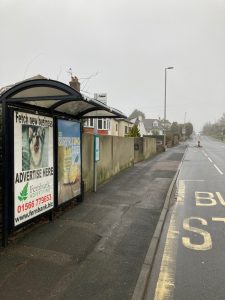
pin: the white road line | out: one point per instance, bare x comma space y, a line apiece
218, 169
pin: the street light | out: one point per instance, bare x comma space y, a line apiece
164, 144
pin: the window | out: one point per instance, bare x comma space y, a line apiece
89, 123
155, 124
104, 124
100, 124
108, 124
126, 130
116, 127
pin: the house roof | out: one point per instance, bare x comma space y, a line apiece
148, 123
123, 120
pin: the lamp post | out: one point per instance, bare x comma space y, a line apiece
164, 143
183, 129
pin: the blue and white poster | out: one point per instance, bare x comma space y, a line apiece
69, 160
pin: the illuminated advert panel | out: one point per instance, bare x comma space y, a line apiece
33, 166
69, 160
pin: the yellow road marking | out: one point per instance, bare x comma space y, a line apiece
181, 191
166, 281
218, 219
207, 241
220, 197
206, 196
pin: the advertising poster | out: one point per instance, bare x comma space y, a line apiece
33, 166
69, 160
97, 148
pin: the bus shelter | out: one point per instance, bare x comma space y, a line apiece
41, 149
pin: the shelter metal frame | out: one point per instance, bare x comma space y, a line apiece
41, 96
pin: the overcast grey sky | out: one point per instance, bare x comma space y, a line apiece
129, 43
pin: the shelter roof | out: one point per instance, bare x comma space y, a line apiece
55, 97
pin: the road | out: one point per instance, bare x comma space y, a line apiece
94, 250
190, 261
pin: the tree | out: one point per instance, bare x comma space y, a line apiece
175, 128
216, 129
135, 114
134, 131
155, 132
207, 129
188, 129
222, 123
181, 126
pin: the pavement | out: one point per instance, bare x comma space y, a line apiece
190, 259
96, 249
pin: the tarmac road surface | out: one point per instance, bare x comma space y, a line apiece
190, 261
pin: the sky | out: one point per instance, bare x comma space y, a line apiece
123, 47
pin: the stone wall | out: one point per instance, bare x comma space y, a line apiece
144, 148
123, 153
149, 147
116, 153
138, 149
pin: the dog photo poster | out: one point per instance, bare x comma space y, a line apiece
33, 166
69, 160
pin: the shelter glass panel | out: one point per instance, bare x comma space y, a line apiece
39, 92
74, 107
43, 103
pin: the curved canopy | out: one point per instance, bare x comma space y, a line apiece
56, 97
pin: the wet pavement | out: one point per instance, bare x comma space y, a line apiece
96, 249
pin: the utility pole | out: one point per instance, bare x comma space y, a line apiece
184, 130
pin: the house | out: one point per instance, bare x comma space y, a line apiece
153, 127
107, 126
120, 127
148, 126
167, 124
139, 122
103, 126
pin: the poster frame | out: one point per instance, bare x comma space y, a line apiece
79, 197
97, 138
12, 226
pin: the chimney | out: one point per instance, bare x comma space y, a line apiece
74, 83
